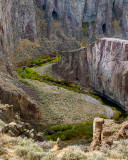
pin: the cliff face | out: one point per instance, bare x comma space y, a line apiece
23, 20
70, 12
103, 65
103, 17
17, 21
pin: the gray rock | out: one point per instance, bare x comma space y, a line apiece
102, 65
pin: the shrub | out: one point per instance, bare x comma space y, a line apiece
67, 132
2, 124
116, 115
123, 148
25, 82
74, 153
61, 128
28, 149
49, 156
2, 149
98, 156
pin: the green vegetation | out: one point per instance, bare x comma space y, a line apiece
85, 26
68, 132
117, 115
47, 59
30, 74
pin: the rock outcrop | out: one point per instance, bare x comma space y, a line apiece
22, 129
22, 97
105, 131
103, 65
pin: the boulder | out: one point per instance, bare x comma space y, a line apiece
24, 130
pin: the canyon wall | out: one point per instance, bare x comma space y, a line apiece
103, 65
58, 24
103, 17
17, 21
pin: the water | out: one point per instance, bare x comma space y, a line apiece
109, 102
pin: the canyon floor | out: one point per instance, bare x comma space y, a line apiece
62, 106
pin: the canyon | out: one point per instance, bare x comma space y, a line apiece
29, 29
85, 45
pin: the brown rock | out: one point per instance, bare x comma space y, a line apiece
97, 129
16, 94
105, 131
123, 132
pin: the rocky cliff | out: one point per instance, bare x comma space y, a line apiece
103, 65
22, 98
17, 21
58, 25
102, 17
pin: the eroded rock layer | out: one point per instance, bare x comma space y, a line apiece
103, 65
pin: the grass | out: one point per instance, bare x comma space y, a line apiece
68, 132
24, 82
25, 50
